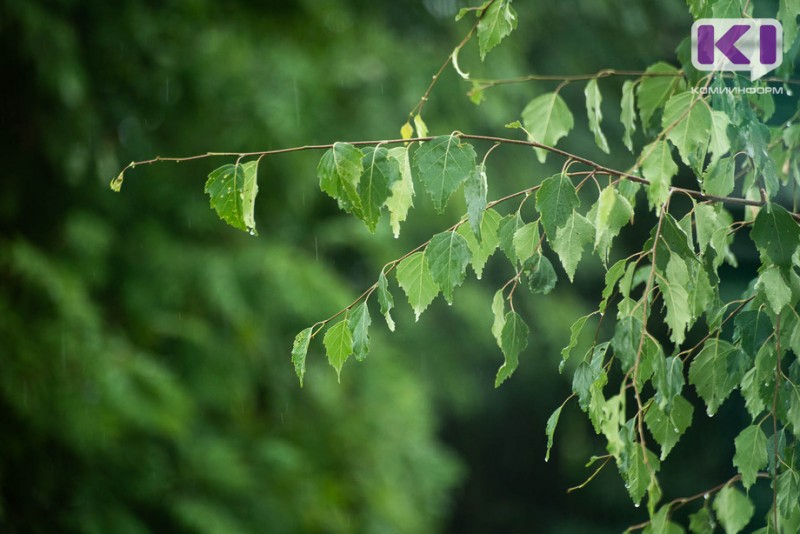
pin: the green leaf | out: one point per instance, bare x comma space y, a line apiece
299, 351
358, 322
593, 102
660, 523
718, 143
613, 212
380, 173
556, 199
733, 509
475, 189
499, 313
718, 179
776, 234
707, 224
571, 238
612, 277
702, 522
751, 454
676, 298
689, 122
667, 427
752, 329
448, 256
513, 340
659, 83
495, 24
710, 375
386, 300
787, 15
724, 9
339, 172
506, 229
668, 381
402, 197
788, 492
414, 276
574, 331
547, 119
626, 341
638, 474
550, 429
541, 275
526, 241
444, 163
232, 190
658, 168
628, 113
481, 251
774, 288
338, 343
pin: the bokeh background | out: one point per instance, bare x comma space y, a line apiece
145, 381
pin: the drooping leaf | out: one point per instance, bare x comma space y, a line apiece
513, 340
751, 454
668, 381
499, 314
358, 321
402, 197
658, 84
339, 172
774, 288
489, 239
787, 15
526, 241
702, 522
386, 300
593, 102
658, 168
414, 276
448, 256
637, 473
733, 509
232, 190
660, 523
718, 179
575, 331
613, 212
776, 234
724, 9
612, 277
719, 143
420, 126
753, 327
628, 113
555, 200
550, 429
710, 375
667, 427
688, 119
444, 163
406, 131
547, 119
506, 230
496, 23
673, 288
338, 343
540, 273
475, 189
299, 351
381, 172
570, 240
626, 341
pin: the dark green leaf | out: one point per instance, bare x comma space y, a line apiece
448, 256
339, 172
380, 173
513, 340
541, 275
776, 234
659, 83
751, 454
570, 241
496, 23
668, 381
232, 190
338, 343
414, 276
444, 163
710, 375
667, 427
555, 200
358, 322
550, 429
733, 509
